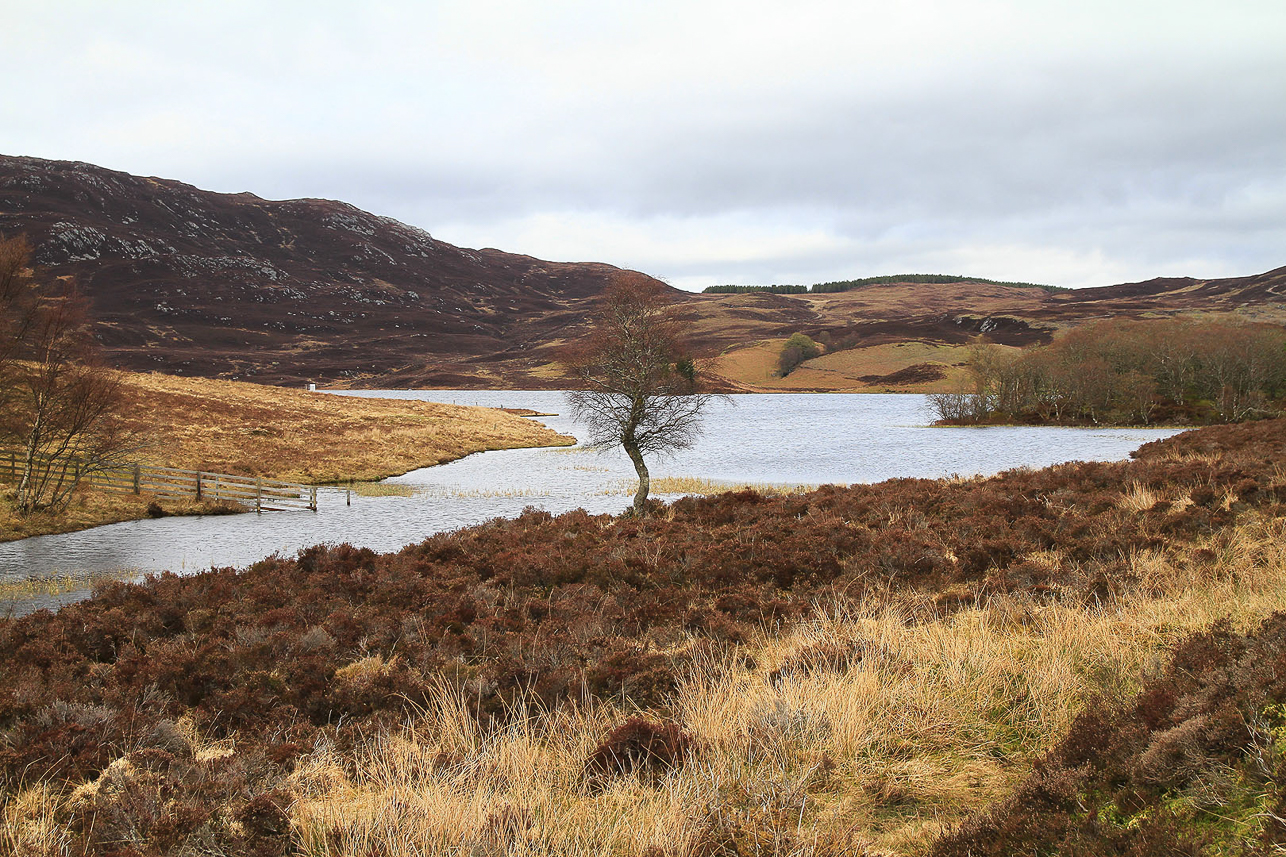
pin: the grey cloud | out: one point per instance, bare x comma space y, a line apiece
1148, 135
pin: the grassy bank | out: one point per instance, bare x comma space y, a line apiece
277, 433
845, 671
89, 508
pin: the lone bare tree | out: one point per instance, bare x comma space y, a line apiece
638, 388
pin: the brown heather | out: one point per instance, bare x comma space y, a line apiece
847, 671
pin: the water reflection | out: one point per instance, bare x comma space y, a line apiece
775, 438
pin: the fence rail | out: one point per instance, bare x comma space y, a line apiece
262, 495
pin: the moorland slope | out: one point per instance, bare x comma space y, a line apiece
191, 282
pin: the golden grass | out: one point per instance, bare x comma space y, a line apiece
274, 432
701, 486
913, 721
29, 823
755, 366
253, 430
1139, 498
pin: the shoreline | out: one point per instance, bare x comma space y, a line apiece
121, 508
310, 438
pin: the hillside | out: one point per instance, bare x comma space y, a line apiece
230, 285
912, 336
192, 282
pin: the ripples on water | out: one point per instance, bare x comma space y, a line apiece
808, 439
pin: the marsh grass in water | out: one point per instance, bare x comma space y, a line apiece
382, 489
17, 596
695, 485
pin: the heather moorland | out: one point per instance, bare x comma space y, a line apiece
1019, 662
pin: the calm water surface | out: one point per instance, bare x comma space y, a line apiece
776, 438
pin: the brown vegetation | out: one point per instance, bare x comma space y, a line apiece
1129, 372
825, 673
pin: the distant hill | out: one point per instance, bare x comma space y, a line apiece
193, 282
912, 332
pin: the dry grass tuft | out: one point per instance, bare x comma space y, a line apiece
29, 823
867, 730
1139, 498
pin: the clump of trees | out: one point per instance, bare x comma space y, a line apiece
638, 387
1129, 372
740, 290
849, 285
57, 403
796, 350
931, 279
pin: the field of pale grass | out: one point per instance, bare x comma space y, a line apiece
866, 731
275, 432
278, 433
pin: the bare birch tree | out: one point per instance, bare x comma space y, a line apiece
58, 403
638, 389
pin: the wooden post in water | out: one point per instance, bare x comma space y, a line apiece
312, 498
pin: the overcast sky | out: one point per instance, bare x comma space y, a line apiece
1074, 143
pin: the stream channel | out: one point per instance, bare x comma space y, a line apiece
779, 439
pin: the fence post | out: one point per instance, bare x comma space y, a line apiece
137, 478
198, 486
259, 495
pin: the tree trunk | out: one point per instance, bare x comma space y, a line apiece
645, 481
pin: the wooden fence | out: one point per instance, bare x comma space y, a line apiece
262, 495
